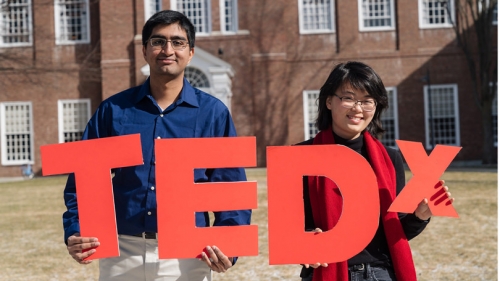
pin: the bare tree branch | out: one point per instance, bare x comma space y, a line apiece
475, 33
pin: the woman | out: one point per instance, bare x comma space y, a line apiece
350, 104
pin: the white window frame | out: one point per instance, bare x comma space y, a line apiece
207, 27
425, 25
3, 135
60, 115
28, 22
148, 8
60, 34
223, 17
308, 119
302, 30
456, 116
393, 106
193, 72
362, 19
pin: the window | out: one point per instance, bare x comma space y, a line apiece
376, 15
198, 11
15, 23
16, 133
389, 119
72, 21
310, 113
494, 115
151, 7
495, 15
196, 77
316, 16
434, 13
73, 116
441, 115
229, 15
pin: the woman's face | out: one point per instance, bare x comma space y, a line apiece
348, 123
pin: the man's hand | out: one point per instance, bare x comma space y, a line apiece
77, 244
216, 259
318, 264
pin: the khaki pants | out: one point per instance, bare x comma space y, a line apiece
138, 261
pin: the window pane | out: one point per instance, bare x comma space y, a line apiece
310, 113
151, 7
434, 12
495, 15
72, 21
198, 12
230, 15
75, 114
377, 13
388, 119
196, 77
17, 139
15, 23
317, 15
442, 121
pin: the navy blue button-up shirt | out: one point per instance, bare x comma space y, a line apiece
193, 114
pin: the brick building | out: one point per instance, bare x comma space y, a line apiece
265, 59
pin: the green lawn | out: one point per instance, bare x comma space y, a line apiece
449, 249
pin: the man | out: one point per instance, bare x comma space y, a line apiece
165, 106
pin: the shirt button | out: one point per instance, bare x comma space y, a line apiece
149, 213
152, 188
158, 137
161, 115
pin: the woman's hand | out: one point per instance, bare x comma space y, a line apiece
423, 212
318, 264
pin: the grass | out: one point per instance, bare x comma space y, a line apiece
449, 249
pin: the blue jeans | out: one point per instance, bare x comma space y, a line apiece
369, 273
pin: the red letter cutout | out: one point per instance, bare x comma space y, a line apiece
288, 242
178, 197
91, 161
426, 173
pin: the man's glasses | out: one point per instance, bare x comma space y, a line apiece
160, 43
366, 105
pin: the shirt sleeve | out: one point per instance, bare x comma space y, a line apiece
412, 225
70, 219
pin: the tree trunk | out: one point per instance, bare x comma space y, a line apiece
489, 150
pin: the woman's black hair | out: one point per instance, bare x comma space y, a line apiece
168, 17
361, 77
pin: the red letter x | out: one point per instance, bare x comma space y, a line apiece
426, 173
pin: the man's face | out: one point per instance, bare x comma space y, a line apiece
165, 60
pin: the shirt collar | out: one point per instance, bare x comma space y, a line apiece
188, 93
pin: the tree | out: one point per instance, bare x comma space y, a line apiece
476, 36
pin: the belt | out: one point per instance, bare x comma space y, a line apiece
357, 267
363, 266
147, 235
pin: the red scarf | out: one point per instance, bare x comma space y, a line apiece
326, 205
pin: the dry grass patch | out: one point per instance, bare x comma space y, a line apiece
449, 249
32, 236
463, 248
